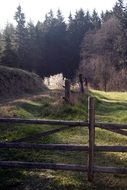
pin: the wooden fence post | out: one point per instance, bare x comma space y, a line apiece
81, 83
91, 122
67, 91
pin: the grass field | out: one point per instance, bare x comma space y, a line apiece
110, 107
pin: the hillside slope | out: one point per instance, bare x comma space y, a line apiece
16, 82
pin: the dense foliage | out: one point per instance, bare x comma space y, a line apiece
104, 51
47, 48
95, 45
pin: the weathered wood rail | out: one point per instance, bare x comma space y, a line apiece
91, 148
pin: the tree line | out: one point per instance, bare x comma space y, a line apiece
47, 48
93, 44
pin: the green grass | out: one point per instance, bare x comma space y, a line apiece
110, 107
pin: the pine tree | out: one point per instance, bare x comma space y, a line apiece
9, 57
54, 39
118, 9
77, 27
21, 34
96, 21
120, 12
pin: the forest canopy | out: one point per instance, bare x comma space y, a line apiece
93, 44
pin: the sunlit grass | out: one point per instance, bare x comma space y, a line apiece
111, 96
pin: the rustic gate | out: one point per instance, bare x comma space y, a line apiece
90, 168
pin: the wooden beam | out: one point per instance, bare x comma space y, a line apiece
111, 148
91, 121
61, 147
111, 125
43, 121
43, 134
118, 131
121, 170
81, 83
62, 122
38, 165
67, 91
54, 166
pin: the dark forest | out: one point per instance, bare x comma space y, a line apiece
93, 44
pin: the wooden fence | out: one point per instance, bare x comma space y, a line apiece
90, 168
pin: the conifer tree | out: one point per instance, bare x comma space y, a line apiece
96, 21
21, 34
9, 56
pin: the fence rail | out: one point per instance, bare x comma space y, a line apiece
90, 168
63, 147
43, 121
63, 122
110, 125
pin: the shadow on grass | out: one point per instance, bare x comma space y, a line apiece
36, 110
54, 111
55, 180
61, 180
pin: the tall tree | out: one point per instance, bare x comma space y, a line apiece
33, 49
54, 32
120, 12
9, 56
96, 21
21, 37
77, 27
119, 9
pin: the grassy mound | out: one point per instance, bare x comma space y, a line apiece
16, 82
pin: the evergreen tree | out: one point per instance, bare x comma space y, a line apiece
96, 21
77, 28
118, 9
120, 12
106, 15
32, 47
9, 57
21, 34
54, 31
41, 59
